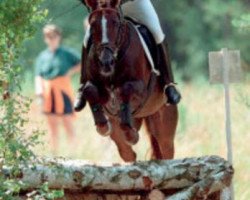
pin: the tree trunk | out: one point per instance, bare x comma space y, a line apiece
187, 179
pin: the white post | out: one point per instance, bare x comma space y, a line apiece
228, 111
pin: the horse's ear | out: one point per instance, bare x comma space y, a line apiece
93, 4
115, 3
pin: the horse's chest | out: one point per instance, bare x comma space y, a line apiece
112, 107
114, 100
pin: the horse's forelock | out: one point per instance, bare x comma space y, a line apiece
103, 10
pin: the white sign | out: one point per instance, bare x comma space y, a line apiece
217, 68
225, 67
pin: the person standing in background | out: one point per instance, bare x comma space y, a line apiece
53, 70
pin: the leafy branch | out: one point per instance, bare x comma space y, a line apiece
18, 23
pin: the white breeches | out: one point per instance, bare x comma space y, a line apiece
143, 11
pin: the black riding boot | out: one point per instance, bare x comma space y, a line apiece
167, 79
80, 101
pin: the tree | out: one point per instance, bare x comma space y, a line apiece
196, 27
18, 20
190, 178
243, 22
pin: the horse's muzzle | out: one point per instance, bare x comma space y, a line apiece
106, 61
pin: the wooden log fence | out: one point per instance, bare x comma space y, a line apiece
186, 179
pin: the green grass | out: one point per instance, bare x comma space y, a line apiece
200, 131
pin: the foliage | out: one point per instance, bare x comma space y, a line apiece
45, 193
196, 27
18, 19
243, 22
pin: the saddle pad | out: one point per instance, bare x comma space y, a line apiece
148, 46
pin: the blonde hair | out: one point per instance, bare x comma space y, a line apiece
52, 30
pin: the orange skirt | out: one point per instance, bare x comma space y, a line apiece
58, 96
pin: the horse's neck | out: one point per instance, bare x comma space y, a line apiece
124, 34
125, 41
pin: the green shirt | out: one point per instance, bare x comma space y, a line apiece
50, 65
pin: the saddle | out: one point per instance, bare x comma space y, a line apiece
148, 39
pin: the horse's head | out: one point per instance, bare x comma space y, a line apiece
105, 25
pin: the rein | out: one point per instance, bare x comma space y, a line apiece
123, 44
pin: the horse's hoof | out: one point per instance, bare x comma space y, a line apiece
126, 126
131, 136
104, 129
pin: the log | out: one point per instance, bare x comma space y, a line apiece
186, 179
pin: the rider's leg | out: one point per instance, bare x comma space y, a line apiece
80, 101
144, 12
167, 77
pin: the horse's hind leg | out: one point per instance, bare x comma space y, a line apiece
155, 148
91, 94
162, 127
125, 150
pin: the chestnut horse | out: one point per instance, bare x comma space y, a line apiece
121, 88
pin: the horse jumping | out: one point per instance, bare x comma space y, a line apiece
121, 88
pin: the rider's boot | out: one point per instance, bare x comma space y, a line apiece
80, 101
167, 79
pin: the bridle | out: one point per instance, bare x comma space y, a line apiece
114, 49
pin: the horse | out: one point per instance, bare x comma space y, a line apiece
122, 90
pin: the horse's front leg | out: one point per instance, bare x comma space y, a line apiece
127, 91
92, 95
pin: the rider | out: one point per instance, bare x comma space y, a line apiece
144, 12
